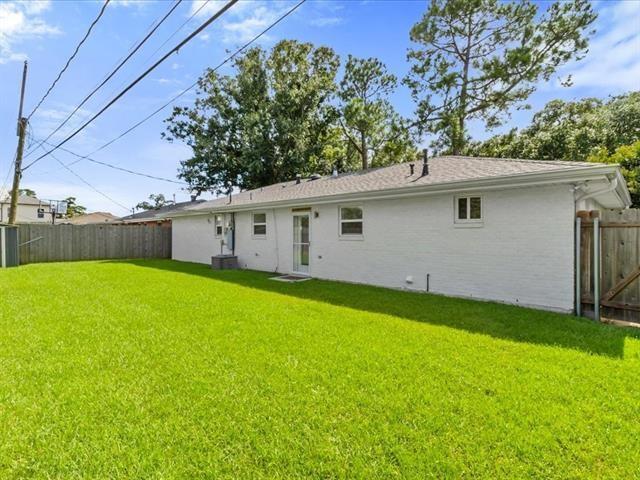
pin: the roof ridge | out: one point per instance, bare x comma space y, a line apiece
522, 160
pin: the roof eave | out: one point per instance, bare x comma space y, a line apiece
622, 189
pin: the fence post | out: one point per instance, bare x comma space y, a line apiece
578, 260
596, 268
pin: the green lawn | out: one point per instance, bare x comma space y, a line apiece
158, 369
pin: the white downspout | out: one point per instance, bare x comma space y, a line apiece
596, 248
275, 233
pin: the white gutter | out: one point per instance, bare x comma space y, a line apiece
578, 174
617, 185
613, 184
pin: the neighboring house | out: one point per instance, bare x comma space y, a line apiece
159, 215
487, 228
30, 209
90, 218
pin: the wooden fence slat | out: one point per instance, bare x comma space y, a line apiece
92, 242
620, 264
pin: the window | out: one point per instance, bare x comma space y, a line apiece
218, 224
259, 224
351, 221
469, 209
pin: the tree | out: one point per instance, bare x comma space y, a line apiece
478, 58
267, 123
628, 157
73, 209
369, 121
27, 191
158, 200
570, 131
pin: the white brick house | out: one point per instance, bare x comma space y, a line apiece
30, 209
494, 229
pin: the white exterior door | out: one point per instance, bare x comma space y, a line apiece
301, 243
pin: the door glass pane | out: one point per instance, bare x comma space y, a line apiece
296, 230
475, 209
304, 229
301, 243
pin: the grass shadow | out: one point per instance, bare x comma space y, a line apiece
487, 318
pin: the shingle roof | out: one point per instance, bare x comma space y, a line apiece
160, 213
90, 218
444, 169
24, 200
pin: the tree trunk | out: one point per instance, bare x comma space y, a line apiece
458, 133
458, 143
364, 151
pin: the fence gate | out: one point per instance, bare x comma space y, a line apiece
618, 233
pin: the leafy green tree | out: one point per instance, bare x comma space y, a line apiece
158, 200
27, 191
73, 208
475, 59
628, 157
570, 130
266, 123
369, 122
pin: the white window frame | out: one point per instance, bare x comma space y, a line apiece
350, 236
475, 222
218, 221
254, 224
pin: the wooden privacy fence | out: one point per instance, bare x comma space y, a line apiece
60, 243
619, 266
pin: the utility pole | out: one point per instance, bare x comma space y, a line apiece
17, 173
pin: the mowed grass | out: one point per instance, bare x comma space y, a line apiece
157, 369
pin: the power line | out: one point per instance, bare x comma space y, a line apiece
85, 182
176, 31
137, 80
193, 85
204, 4
115, 167
75, 52
9, 170
110, 75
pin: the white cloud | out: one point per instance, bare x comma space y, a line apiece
242, 21
34, 7
130, 3
68, 185
613, 60
246, 28
206, 9
19, 21
49, 118
326, 21
167, 81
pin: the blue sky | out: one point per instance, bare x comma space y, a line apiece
45, 33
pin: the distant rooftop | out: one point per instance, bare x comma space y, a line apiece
159, 213
91, 218
22, 199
